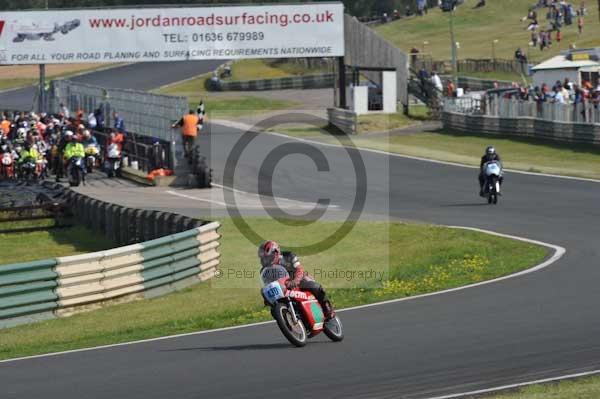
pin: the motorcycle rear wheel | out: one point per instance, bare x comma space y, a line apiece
295, 333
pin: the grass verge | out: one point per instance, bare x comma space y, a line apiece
530, 155
585, 388
395, 260
50, 243
267, 69
476, 29
228, 104
371, 123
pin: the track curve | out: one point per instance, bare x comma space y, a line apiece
536, 326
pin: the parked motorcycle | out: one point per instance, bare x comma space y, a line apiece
298, 313
492, 172
27, 169
113, 160
91, 157
76, 171
7, 166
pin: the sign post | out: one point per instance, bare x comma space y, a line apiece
42, 90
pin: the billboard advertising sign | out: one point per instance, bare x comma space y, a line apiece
172, 34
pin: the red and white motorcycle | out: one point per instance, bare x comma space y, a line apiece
298, 313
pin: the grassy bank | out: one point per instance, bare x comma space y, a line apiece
230, 104
587, 388
24, 247
402, 259
542, 156
476, 29
269, 69
530, 155
371, 123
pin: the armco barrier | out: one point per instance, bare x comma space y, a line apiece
27, 292
343, 119
321, 81
523, 127
61, 287
162, 252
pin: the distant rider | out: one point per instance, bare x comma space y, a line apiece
271, 255
489, 156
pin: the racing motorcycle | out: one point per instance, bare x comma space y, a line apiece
492, 172
76, 171
91, 155
27, 169
7, 166
113, 160
297, 313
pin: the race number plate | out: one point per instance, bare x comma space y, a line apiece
273, 292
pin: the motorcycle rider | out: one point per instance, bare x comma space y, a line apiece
489, 156
89, 140
72, 149
271, 255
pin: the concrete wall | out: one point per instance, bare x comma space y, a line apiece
365, 48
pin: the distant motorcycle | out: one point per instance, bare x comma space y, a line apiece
492, 172
297, 312
113, 160
76, 171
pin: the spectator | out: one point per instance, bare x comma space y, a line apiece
437, 82
414, 55
91, 120
580, 23
64, 110
534, 38
119, 122
558, 36
450, 89
99, 118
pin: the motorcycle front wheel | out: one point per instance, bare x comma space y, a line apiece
334, 330
294, 332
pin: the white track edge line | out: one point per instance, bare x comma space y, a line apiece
559, 252
519, 385
394, 154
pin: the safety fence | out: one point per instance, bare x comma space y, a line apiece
343, 119
424, 61
515, 108
146, 114
318, 81
160, 252
63, 286
523, 127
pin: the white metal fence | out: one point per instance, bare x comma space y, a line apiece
555, 112
144, 113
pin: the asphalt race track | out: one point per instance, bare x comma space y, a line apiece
142, 76
544, 324
540, 325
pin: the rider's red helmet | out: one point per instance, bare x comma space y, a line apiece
269, 253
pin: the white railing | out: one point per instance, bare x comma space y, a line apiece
554, 112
